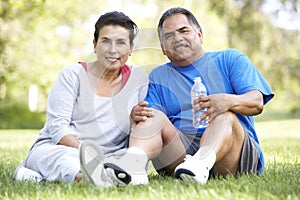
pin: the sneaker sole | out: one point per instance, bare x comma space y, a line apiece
119, 173
188, 176
88, 168
185, 175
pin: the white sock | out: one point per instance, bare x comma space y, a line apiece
207, 155
135, 150
139, 151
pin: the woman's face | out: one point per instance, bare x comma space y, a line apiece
113, 47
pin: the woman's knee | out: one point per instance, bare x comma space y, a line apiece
55, 162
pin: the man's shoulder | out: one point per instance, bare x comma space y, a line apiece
225, 52
226, 55
162, 67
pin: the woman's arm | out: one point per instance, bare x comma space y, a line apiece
69, 140
60, 106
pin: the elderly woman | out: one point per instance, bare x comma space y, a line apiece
89, 101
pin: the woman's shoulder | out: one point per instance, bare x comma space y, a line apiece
138, 74
138, 70
73, 67
72, 70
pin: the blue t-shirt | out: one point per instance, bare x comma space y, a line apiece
228, 71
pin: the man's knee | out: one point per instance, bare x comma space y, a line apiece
229, 120
228, 117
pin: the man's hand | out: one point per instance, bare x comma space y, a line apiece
140, 112
216, 104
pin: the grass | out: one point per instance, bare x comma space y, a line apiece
280, 141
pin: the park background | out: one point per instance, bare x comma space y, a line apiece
39, 37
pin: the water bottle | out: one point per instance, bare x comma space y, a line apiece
197, 90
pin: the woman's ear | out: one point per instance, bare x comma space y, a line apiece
95, 44
131, 49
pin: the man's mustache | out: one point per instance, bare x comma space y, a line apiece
179, 45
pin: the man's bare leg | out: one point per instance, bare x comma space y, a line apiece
158, 138
153, 138
220, 146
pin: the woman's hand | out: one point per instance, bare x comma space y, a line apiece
140, 112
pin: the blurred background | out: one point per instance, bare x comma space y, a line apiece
39, 37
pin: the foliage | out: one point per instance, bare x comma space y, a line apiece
280, 181
39, 37
18, 116
10, 31
272, 49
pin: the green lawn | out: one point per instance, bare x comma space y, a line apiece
280, 141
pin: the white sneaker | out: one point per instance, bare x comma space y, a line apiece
91, 165
192, 169
25, 174
129, 169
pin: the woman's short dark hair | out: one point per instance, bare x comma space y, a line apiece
174, 11
116, 18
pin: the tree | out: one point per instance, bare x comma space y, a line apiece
9, 12
37, 38
274, 50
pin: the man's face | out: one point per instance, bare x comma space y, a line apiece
181, 41
113, 46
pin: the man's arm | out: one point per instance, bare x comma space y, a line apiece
250, 103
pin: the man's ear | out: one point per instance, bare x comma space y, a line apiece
163, 49
200, 34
